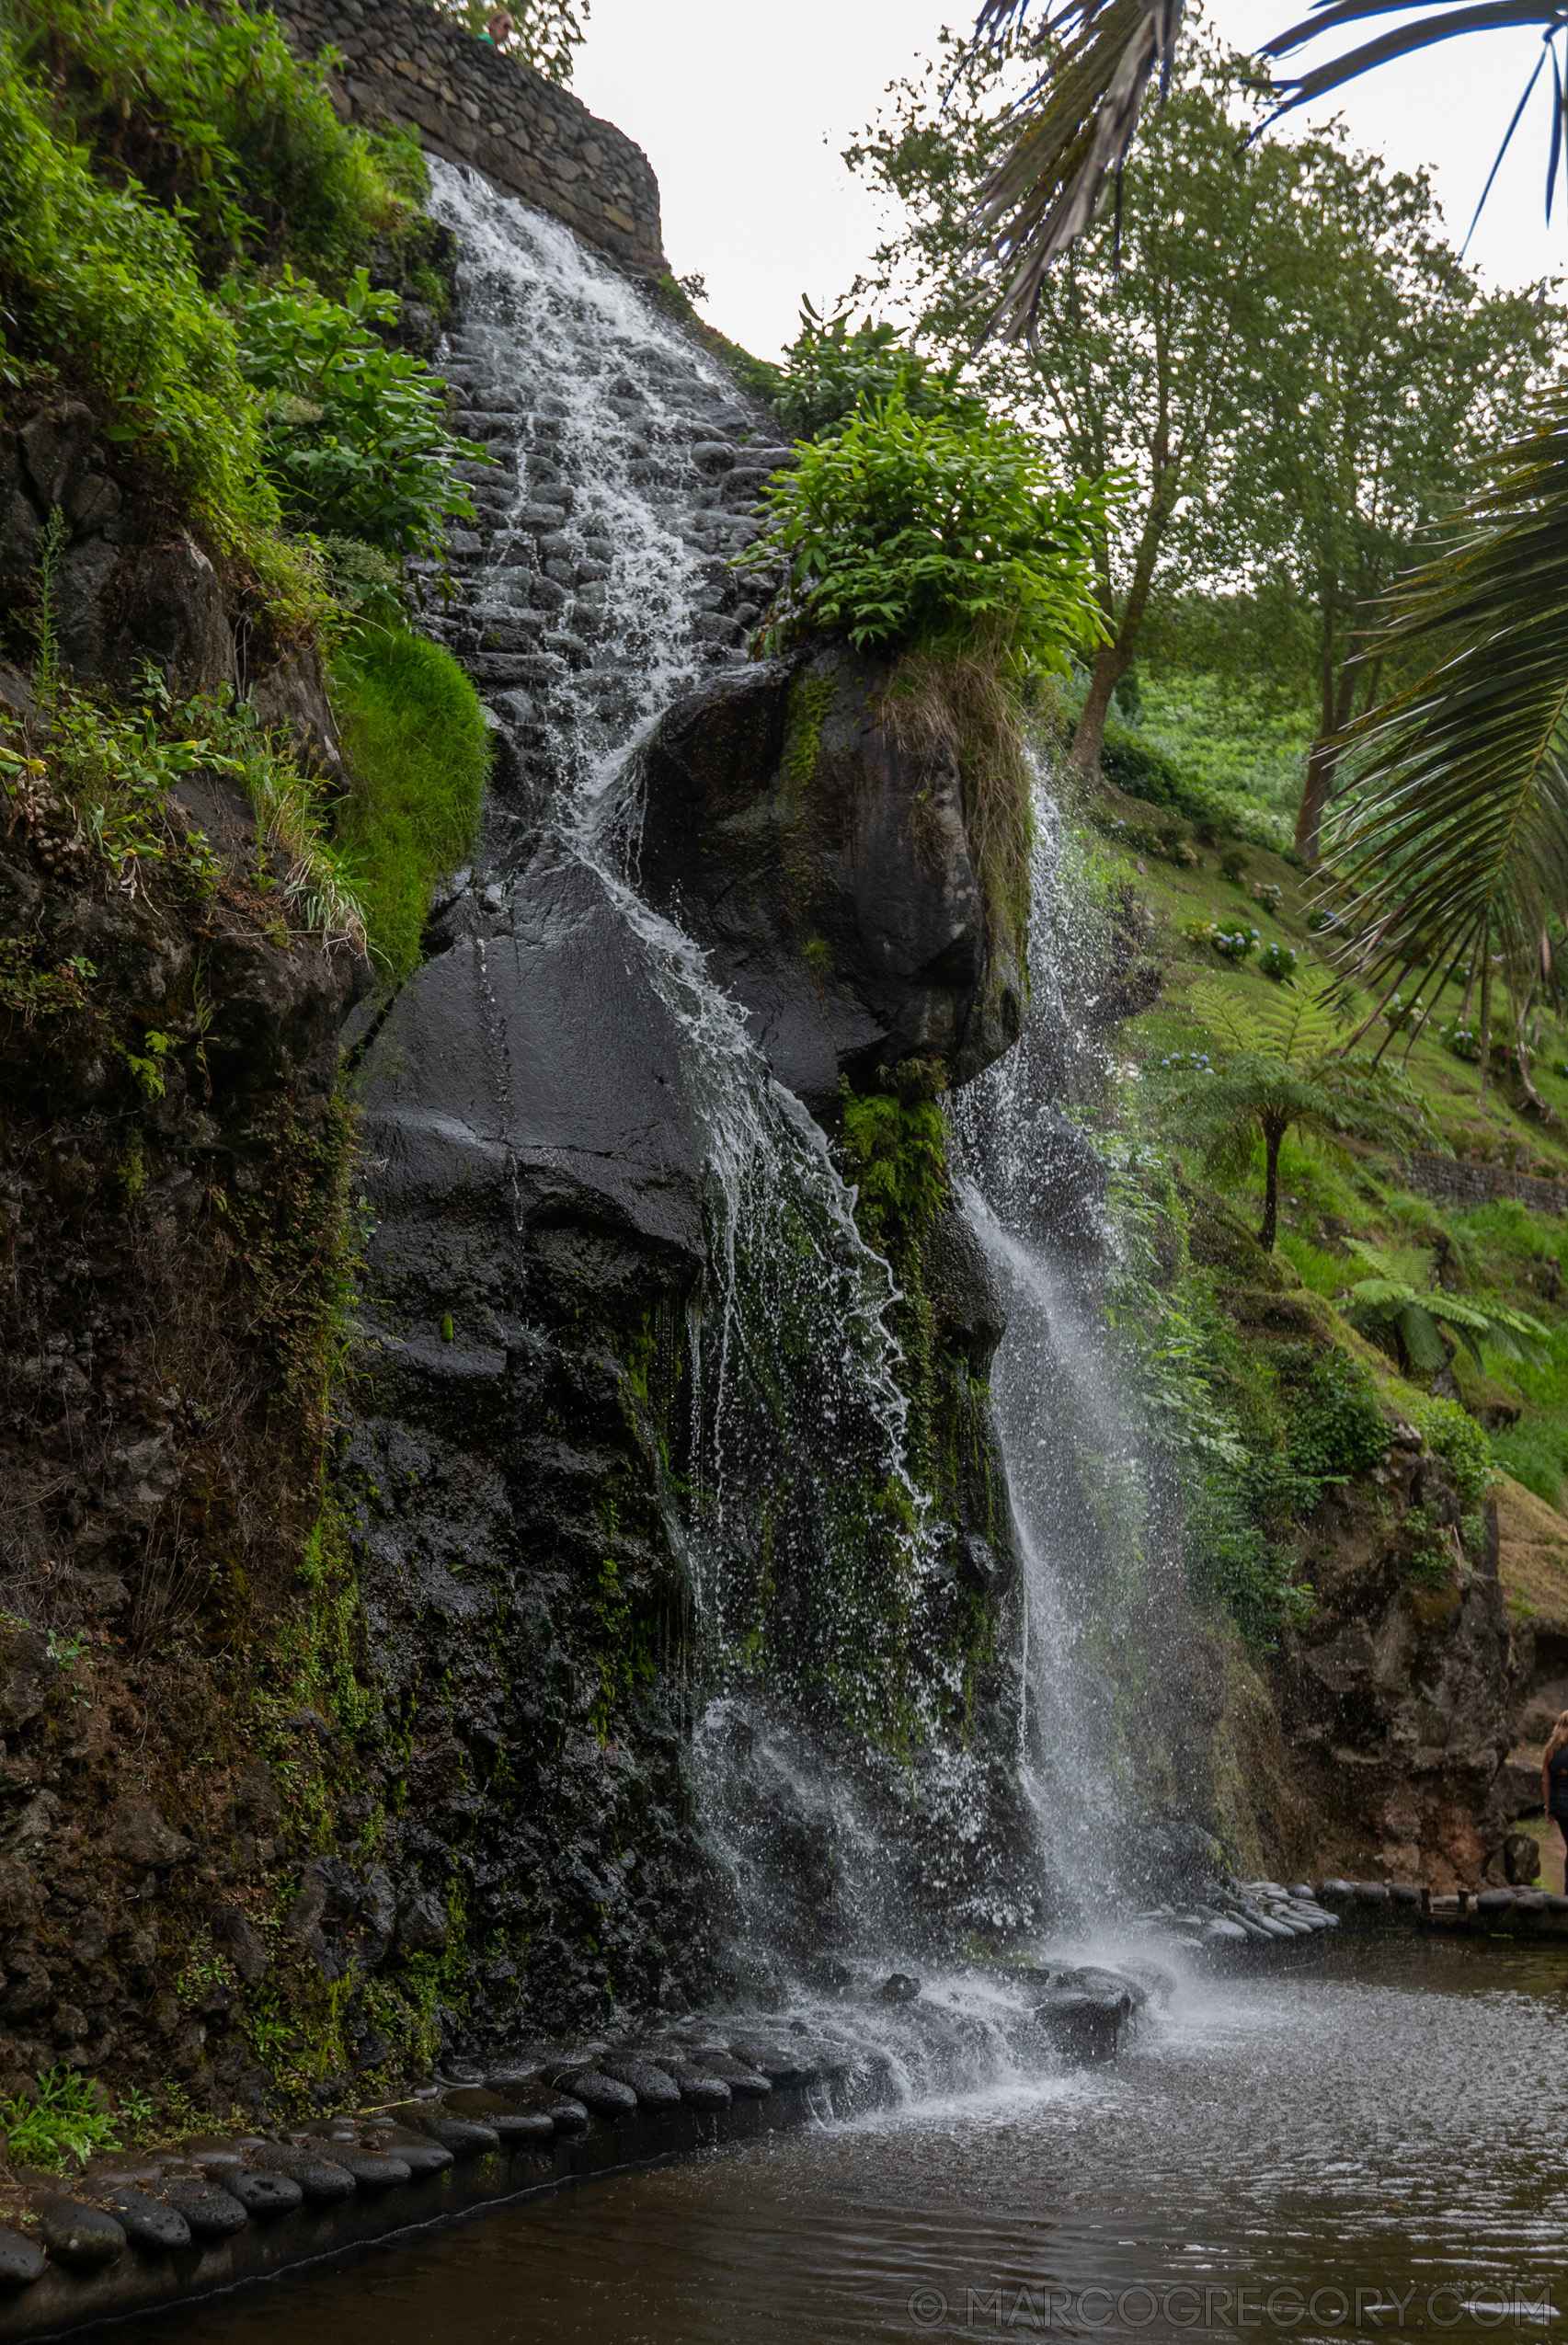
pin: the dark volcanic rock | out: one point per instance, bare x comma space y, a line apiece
830, 872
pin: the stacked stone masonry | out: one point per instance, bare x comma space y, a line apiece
405, 63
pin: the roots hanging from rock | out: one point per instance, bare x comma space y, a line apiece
965, 705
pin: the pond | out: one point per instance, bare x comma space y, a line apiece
1377, 2144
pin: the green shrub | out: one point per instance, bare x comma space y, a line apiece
223, 121
833, 371
922, 534
1453, 1432
419, 751
1277, 961
66, 2121
99, 281
896, 1152
355, 433
1336, 1429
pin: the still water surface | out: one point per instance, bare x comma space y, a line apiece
1392, 2121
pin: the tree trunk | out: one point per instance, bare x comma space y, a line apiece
1111, 664
1323, 762
1273, 1134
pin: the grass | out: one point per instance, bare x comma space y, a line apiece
419, 749
1504, 1251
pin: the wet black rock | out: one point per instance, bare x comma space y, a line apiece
212, 2213
465, 2137
514, 2122
21, 2260
263, 2194
830, 873
652, 2087
147, 2222
898, 1988
421, 2154
81, 2236
321, 2179
604, 2096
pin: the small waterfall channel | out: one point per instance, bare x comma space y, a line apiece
593, 593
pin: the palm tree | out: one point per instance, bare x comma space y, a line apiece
1280, 1066
1451, 854
1076, 122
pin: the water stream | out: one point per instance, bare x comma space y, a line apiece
1371, 2146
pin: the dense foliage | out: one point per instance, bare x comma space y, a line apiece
925, 533
153, 159
354, 433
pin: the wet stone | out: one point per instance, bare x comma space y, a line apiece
82, 2237
147, 2222
263, 2194
422, 2156
212, 2212
652, 2087
515, 2123
606, 2095
321, 2179
465, 2137
21, 2260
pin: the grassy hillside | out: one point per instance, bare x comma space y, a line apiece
1504, 1249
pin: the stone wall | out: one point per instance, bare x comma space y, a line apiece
1451, 1179
405, 63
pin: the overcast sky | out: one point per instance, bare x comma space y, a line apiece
743, 113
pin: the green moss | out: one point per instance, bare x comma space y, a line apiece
419, 752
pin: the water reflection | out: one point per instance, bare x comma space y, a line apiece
1393, 2122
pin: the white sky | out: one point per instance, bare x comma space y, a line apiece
743, 112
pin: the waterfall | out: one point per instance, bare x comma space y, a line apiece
596, 593
1090, 1535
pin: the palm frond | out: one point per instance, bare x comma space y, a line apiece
1454, 847
1076, 125
1076, 122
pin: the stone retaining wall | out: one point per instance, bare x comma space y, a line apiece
406, 63
1455, 1181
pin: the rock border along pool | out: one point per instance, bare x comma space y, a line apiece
137, 2233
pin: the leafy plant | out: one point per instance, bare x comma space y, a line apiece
226, 129
354, 433
921, 533
1278, 962
1454, 1436
1281, 1065
66, 2121
834, 370
546, 33
1407, 1322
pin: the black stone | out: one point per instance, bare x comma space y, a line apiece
606, 2095
147, 2222
83, 2238
212, 2212
866, 856
465, 2137
21, 2260
422, 2154
652, 2087
321, 2179
262, 2194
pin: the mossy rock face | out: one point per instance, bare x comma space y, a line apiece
1298, 1315
1218, 1239
830, 872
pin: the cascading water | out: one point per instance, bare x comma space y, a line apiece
597, 594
